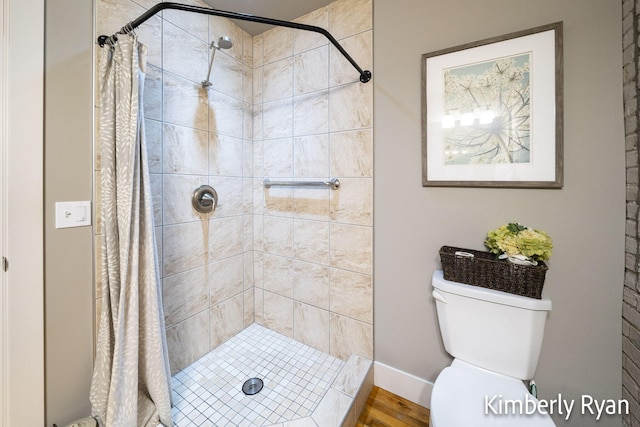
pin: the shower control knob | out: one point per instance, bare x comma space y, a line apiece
204, 199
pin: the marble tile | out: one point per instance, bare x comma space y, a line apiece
176, 200
185, 150
247, 274
311, 113
351, 417
247, 121
149, 3
152, 95
311, 70
311, 326
153, 137
311, 241
259, 192
184, 246
184, 295
227, 319
277, 119
351, 153
351, 247
223, 27
278, 235
258, 42
301, 422
247, 158
248, 311
226, 278
360, 48
362, 395
277, 44
309, 203
193, 23
311, 156
225, 237
352, 295
307, 40
188, 341
349, 336
184, 54
112, 15
150, 34
258, 269
278, 158
258, 306
352, 375
225, 114
351, 107
258, 77
311, 284
247, 84
229, 191
353, 203
277, 78
155, 180
258, 232
185, 102
225, 155
226, 74
348, 17
247, 48
278, 275
332, 408
278, 313
247, 232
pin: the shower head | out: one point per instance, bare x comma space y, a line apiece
224, 42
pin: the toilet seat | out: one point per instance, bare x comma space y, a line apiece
462, 394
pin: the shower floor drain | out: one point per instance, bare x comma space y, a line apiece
252, 386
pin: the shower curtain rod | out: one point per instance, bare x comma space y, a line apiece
365, 75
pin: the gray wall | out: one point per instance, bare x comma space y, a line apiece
582, 351
582, 347
68, 177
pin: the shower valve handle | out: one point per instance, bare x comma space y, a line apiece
204, 199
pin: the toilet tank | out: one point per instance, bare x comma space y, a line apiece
494, 330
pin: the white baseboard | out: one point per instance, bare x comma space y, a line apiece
406, 385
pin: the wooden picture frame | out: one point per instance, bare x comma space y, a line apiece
492, 112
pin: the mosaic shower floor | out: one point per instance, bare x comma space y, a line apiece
296, 379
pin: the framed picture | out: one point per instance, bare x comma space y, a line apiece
492, 113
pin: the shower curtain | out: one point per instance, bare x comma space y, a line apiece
131, 383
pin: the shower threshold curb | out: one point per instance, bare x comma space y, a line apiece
344, 400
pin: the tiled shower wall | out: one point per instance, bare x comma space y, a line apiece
196, 137
313, 121
631, 295
282, 104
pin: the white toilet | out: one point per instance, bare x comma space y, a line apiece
495, 338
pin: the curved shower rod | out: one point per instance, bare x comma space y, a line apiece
365, 75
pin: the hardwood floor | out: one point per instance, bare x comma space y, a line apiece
385, 409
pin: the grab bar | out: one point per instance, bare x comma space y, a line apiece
334, 183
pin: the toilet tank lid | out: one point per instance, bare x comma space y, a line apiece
438, 281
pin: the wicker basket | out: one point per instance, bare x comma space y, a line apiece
485, 270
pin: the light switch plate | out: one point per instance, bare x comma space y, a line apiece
73, 214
